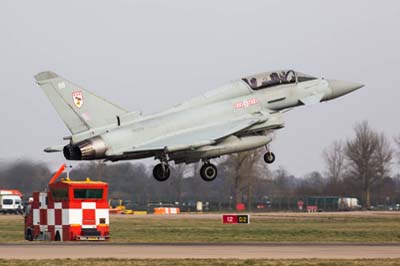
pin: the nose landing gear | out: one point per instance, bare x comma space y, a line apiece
269, 156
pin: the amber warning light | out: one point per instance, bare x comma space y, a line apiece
235, 218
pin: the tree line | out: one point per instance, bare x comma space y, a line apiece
359, 167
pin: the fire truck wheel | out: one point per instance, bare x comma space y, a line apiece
29, 235
57, 237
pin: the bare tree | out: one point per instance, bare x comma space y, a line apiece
244, 168
383, 156
283, 183
335, 163
369, 156
397, 140
177, 180
25, 175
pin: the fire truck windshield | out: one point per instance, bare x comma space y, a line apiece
80, 193
60, 194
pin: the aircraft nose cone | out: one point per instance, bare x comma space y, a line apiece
340, 88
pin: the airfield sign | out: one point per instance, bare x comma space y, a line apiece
235, 219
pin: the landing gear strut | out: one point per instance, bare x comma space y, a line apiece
208, 171
269, 156
161, 171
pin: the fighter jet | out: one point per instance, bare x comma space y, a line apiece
235, 117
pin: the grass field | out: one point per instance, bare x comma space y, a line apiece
201, 262
325, 228
360, 227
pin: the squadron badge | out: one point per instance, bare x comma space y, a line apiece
77, 96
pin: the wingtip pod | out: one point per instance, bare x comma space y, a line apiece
45, 75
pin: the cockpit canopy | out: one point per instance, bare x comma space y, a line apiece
274, 78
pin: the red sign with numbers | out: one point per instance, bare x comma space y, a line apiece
235, 219
229, 219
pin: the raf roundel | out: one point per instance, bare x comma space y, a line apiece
77, 96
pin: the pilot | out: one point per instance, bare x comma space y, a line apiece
274, 77
253, 82
283, 76
290, 76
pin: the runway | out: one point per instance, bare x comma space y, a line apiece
198, 251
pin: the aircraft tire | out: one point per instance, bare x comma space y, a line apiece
269, 157
208, 172
57, 237
161, 173
29, 235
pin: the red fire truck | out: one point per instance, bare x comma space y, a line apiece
69, 210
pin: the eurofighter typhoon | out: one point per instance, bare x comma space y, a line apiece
236, 117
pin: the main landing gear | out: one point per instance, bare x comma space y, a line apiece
161, 171
208, 171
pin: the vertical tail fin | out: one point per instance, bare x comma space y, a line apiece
78, 108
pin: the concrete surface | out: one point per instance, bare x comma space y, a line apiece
240, 251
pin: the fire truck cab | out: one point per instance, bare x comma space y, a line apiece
69, 210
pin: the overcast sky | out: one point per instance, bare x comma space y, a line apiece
150, 55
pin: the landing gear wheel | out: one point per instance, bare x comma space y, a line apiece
208, 172
269, 157
29, 235
161, 172
57, 237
